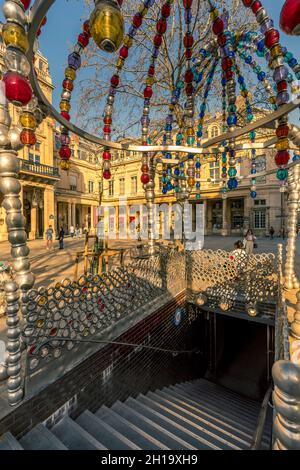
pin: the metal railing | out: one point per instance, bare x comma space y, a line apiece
38, 168
258, 434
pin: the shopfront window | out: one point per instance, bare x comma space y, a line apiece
260, 219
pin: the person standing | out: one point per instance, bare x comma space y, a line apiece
249, 242
61, 238
271, 232
49, 237
72, 231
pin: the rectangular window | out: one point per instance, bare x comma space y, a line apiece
37, 159
260, 219
111, 189
37, 147
91, 187
259, 202
133, 184
73, 183
122, 186
31, 157
214, 171
100, 187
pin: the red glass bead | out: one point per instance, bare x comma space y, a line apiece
290, 17
282, 157
39, 32
148, 92
157, 40
218, 26
120, 2
247, 3
144, 143
44, 21
282, 131
106, 174
83, 39
187, 3
17, 88
137, 20
224, 175
189, 89
68, 84
115, 80
188, 40
165, 10
65, 152
282, 86
256, 6
222, 40
189, 76
123, 52
151, 70
27, 137
228, 74
145, 178
188, 53
161, 26
65, 115
86, 27
106, 129
106, 155
271, 37
227, 63
26, 3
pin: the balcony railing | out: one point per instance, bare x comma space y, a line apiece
38, 168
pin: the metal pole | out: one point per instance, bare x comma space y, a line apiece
291, 281
150, 195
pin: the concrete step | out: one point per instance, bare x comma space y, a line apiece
169, 439
206, 425
41, 438
8, 442
144, 440
75, 437
104, 433
177, 429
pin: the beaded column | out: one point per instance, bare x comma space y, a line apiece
291, 281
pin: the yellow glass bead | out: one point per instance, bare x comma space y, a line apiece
28, 121
65, 165
128, 41
107, 26
190, 131
276, 51
40, 323
14, 35
150, 81
244, 93
65, 106
70, 73
282, 144
272, 99
143, 10
214, 14
120, 62
294, 88
191, 181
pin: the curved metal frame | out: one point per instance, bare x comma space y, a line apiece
38, 12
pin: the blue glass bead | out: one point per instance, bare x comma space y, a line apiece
241, 79
168, 127
296, 157
181, 164
163, 179
198, 185
168, 155
202, 114
232, 183
155, 52
231, 120
164, 190
261, 45
169, 186
253, 151
253, 171
261, 76
200, 76
293, 62
74, 60
253, 194
224, 81
199, 134
191, 156
248, 59
284, 50
176, 172
198, 165
203, 52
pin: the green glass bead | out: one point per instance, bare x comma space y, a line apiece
232, 172
198, 196
250, 117
224, 159
282, 174
252, 134
190, 139
180, 84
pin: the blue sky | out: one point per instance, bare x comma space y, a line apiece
64, 23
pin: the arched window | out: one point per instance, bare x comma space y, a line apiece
214, 132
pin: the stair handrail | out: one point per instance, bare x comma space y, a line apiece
258, 434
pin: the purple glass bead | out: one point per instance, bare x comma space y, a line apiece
197, 175
65, 139
174, 100
132, 31
282, 98
155, 52
225, 51
145, 121
268, 56
266, 26
188, 16
280, 74
74, 60
112, 91
151, 3
169, 119
190, 172
146, 102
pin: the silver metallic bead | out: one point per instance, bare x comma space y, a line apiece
108, 110
145, 129
232, 162
30, 107
4, 116
4, 138
66, 95
106, 165
110, 99
278, 62
146, 110
16, 61
261, 15
13, 11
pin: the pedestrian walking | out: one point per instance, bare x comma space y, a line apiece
61, 237
49, 237
271, 232
77, 231
239, 256
72, 231
249, 241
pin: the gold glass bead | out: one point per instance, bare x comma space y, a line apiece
14, 35
244, 93
28, 120
70, 73
143, 10
295, 89
282, 144
150, 81
272, 99
128, 41
65, 165
107, 26
40, 323
191, 181
214, 14
65, 106
120, 62
275, 51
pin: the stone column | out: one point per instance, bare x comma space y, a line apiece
92, 219
49, 209
69, 216
209, 218
291, 281
33, 225
73, 218
205, 216
224, 230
